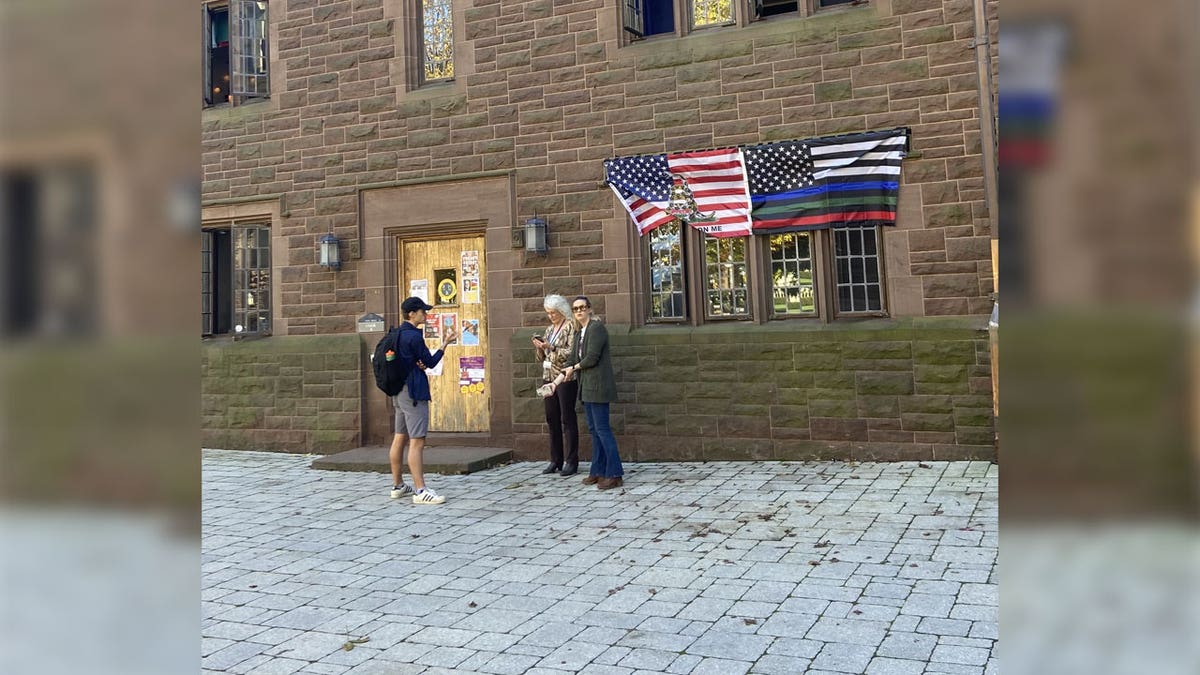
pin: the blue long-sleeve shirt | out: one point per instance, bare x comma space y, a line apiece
413, 349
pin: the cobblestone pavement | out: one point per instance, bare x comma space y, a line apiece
730, 567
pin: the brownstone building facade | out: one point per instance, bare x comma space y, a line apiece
357, 118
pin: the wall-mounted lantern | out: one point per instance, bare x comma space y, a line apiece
330, 255
535, 236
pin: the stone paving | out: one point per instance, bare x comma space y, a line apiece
726, 568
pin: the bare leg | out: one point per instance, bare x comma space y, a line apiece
416, 447
396, 456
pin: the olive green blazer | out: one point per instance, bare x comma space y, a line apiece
597, 384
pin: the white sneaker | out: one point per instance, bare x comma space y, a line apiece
427, 496
402, 491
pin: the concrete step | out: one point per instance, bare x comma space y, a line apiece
460, 439
443, 459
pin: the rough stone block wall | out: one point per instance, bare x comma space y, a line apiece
550, 93
870, 391
284, 394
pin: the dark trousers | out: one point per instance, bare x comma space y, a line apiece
560, 415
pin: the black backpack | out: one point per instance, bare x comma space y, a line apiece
390, 374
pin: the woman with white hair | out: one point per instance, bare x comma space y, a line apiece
553, 348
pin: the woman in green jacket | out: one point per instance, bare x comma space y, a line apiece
591, 361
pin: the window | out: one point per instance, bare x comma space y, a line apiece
820, 274
792, 288
236, 55
235, 279
856, 257
645, 18
727, 286
763, 9
437, 41
666, 272
48, 250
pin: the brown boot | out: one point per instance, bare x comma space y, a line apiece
610, 483
591, 480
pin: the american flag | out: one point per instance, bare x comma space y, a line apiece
826, 182
717, 179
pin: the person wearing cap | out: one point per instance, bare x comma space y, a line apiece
412, 403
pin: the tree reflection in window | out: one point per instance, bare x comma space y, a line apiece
792, 274
666, 272
711, 12
727, 284
438, 26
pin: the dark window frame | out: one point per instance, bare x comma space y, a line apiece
761, 281
233, 54
229, 285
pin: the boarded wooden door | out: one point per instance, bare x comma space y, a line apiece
449, 274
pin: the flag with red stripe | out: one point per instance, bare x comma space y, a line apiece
851, 180
717, 179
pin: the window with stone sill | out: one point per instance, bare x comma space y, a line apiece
235, 278
437, 42
647, 18
642, 19
820, 274
236, 52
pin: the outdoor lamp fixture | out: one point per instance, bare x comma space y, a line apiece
535, 236
330, 255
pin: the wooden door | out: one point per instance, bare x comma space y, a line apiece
449, 274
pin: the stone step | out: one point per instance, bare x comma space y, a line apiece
443, 459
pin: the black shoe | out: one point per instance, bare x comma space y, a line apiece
569, 470
550, 469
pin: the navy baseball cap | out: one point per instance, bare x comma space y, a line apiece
413, 304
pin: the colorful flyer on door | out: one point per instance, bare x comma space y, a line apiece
470, 332
470, 289
470, 277
449, 321
433, 326
446, 284
470, 374
419, 288
470, 264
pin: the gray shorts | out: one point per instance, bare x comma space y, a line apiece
411, 420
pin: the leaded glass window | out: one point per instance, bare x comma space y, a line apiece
249, 63
437, 58
727, 281
235, 279
792, 285
856, 269
252, 278
711, 12
666, 272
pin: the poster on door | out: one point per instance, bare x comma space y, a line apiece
433, 326
470, 374
470, 277
449, 322
470, 332
419, 288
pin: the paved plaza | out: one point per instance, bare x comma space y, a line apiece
722, 567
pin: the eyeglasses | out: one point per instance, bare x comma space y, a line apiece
579, 308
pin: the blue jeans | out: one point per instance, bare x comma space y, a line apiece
606, 462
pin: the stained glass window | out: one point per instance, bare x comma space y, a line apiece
437, 59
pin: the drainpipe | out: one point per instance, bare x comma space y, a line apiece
987, 140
